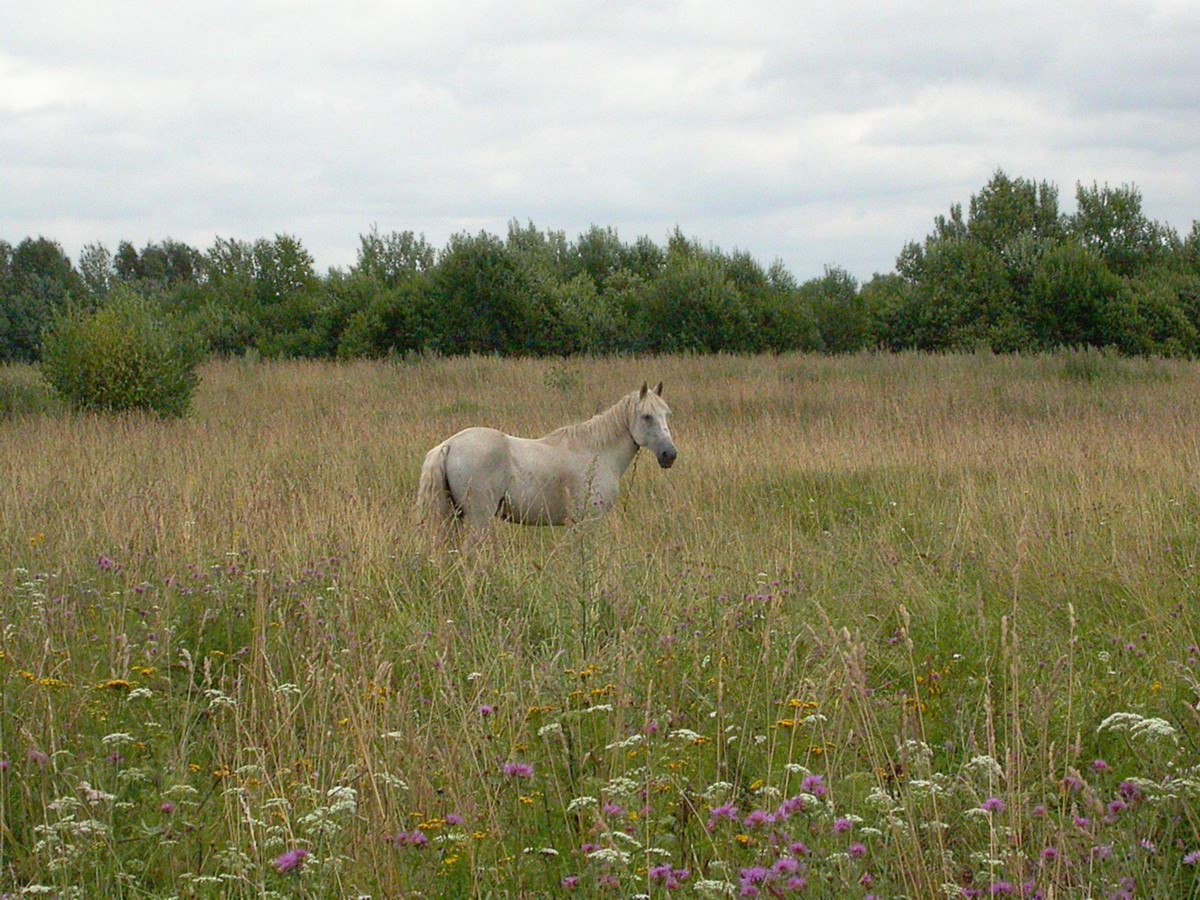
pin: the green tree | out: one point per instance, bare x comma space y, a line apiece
1110, 221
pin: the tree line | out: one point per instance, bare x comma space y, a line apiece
1012, 273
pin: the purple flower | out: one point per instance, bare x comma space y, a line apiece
786, 866
992, 804
293, 859
486, 710
106, 565
1192, 859
167, 808
1072, 783
725, 811
797, 883
518, 770
1101, 853
758, 818
798, 848
454, 819
660, 873
815, 785
1049, 854
1001, 887
612, 809
570, 882
1130, 791
38, 757
755, 875
789, 807
1099, 765
842, 825
1039, 811
857, 850
4, 764
1082, 821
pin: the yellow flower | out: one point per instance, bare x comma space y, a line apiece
114, 684
38, 539
525, 800
479, 835
785, 723
744, 839
145, 671
1156, 687
52, 683
432, 825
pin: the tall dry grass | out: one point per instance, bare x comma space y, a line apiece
927, 580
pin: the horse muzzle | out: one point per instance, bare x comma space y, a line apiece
667, 458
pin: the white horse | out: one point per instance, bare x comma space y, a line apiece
481, 473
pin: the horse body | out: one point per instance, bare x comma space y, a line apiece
481, 473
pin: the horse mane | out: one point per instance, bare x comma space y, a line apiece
600, 430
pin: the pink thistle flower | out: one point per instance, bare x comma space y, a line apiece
815, 785
758, 818
167, 808
570, 882
1192, 859
486, 710
857, 851
454, 819
992, 804
518, 770
1099, 765
293, 859
842, 825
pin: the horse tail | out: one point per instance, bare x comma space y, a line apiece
435, 506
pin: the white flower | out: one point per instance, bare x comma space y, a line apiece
632, 741
582, 803
715, 888
552, 728
684, 734
142, 693
119, 739
609, 855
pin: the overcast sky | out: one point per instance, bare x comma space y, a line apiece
816, 133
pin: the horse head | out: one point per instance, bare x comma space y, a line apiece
648, 425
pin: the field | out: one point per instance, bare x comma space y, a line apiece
894, 625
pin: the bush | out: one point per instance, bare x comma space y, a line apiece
22, 392
125, 355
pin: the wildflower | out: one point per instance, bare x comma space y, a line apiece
486, 710
4, 764
660, 873
612, 809
789, 807
38, 757
293, 859
1101, 853
1130, 792
167, 808
786, 866
857, 850
992, 804
114, 684
1082, 821
725, 811
758, 818
518, 770
1099, 765
797, 883
454, 819
842, 825
798, 848
1192, 859
570, 882
1049, 854
755, 875
815, 785
1072, 783
105, 564
1114, 807
1001, 887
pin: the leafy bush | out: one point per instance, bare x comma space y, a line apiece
125, 355
22, 392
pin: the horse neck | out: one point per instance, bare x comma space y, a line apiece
606, 434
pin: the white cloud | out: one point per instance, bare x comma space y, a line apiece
818, 133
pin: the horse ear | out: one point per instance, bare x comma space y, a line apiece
645, 388
658, 390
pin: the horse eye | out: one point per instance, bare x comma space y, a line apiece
648, 418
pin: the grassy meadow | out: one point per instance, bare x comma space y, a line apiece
893, 625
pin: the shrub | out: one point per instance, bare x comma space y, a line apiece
22, 392
125, 355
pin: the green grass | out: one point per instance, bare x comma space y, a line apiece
916, 582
